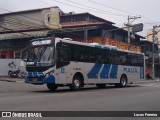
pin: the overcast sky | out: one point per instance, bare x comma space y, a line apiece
112, 10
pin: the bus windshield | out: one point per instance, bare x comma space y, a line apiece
41, 56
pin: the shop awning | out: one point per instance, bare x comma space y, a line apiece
9, 36
42, 33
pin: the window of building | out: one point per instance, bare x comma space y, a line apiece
107, 34
118, 37
79, 18
6, 54
17, 54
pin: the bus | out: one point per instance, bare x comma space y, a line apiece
59, 62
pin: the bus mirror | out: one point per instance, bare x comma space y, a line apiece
146, 57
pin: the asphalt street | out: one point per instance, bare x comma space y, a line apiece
18, 96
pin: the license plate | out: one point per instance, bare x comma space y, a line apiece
34, 80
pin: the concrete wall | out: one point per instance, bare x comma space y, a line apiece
29, 20
11, 64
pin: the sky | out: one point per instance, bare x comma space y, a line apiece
116, 11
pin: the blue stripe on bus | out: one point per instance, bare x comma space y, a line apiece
94, 71
105, 71
35, 74
98, 46
113, 73
141, 73
108, 48
114, 48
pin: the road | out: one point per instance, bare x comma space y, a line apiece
18, 96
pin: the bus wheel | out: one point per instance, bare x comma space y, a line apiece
101, 85
123, 82
52, 87
76, 83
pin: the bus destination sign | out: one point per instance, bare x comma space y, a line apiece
42, 42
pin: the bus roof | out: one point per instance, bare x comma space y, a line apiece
97, 45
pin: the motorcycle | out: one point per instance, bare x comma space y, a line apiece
21, 74
13, 74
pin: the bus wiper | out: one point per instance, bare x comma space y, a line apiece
40, 53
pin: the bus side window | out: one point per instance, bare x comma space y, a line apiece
66, 55
63, 57
63, 54
58, 54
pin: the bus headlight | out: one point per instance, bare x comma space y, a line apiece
50, 73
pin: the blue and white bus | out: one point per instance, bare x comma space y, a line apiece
60, 62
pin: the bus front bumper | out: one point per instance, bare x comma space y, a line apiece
40, 80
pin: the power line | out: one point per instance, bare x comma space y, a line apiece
149, 19
111, 7
96, 8
63, 3
29, 18
18, 23
152, 33
115, 14
22, 15
120, 10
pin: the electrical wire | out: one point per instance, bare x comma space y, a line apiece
23, 16
152, 34
115, 14
18, 23
96, 8
120, 10
75, 6
112, 7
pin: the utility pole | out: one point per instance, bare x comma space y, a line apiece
129, 26
153, 37
153, 50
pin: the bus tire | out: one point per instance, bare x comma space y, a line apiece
123, 82
76, 83
52, 87
101, 85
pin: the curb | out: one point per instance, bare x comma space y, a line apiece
8, 80
147, 81
5, 79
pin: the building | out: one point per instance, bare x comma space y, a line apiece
147, 48
99, 30
150, 35
17, 28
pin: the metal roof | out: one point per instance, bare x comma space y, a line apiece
79, 14
20, 35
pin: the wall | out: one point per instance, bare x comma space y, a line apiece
11, 64
150, 35
30, 20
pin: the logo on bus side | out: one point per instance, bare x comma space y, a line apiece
62, 70
130, 70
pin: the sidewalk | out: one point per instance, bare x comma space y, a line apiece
8, 79
150, 80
